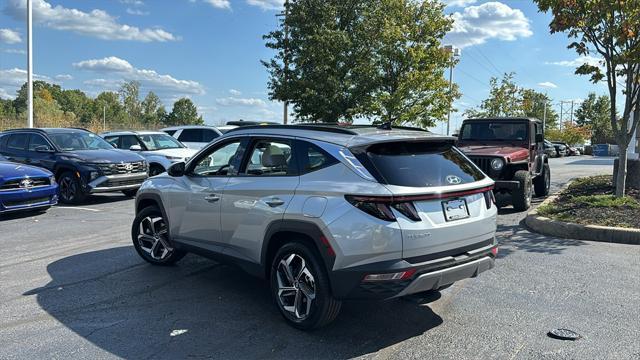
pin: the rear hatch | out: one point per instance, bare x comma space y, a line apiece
441, 200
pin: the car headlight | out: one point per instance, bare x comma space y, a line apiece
93, 175
52, 180
497, 164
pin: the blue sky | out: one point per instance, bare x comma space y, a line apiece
210, 50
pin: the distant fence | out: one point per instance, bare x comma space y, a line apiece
96, 126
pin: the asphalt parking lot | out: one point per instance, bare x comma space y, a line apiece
72, 286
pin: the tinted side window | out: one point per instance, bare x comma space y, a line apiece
270, 158
220, 161
313, 158
170, 132
191, 135
128, 141
38, 140
3, 141
18, 141
113, 140
209, 135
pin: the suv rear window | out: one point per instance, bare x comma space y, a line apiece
190, 135
418, 164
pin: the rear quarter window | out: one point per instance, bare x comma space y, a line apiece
418, 164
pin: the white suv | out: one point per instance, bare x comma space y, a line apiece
158, 148
325, 213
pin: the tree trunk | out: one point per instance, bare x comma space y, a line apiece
621, 176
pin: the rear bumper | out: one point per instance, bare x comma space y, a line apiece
429, 275
117, 182
506, 185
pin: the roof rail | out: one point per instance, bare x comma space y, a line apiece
312, 127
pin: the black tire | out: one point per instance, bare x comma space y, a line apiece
542, 184
324, 307
521, 197
69, 189
143, 245
130, 192
155, 169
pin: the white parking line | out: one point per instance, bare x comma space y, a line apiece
77, 208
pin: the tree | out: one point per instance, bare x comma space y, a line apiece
130, 95
76, 102
322, 67
571, 133
408, 61
504, 99
345, 59
610, 29
538, 105
594, 112
151, 105
184, 113
107, 104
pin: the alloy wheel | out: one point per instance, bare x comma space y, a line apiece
68, 188
296, 286
152, 238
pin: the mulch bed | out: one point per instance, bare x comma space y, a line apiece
564, 208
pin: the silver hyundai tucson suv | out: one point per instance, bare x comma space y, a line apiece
325, 213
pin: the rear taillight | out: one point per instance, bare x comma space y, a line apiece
380, 207
402, 275
376, 207
489, 198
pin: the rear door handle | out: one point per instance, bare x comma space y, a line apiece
212, 198
274, 202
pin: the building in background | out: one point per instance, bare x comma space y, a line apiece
634, 145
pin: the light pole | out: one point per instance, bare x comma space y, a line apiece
454, 53
29, 66
285, 115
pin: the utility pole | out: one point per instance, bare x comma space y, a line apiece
544, 116
285, 115
453, 54
104, 118
29, 66
571, 117
561, 114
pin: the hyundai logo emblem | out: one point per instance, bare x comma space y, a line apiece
453, 180
128, 166
26, 184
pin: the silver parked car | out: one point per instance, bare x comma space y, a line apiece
158, 148
325, 213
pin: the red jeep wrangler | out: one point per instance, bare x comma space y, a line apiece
510, 151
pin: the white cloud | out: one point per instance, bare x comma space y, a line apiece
149, 79
9, 36
12, 79
138, 12
96, 23
591, 60
133, 2
548, 84
235, 92
267, 4
234, 101
219, 4
14, 51
459, 3
108, 64
492, 20
63, 77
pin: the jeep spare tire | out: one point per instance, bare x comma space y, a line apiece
521, 197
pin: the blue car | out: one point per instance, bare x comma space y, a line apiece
24, 187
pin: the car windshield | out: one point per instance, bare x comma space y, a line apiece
81, 140
494, 131
160, 142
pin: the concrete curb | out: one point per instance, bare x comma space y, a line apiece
546, 226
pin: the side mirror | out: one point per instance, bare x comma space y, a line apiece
43, 149
177, 169
135, 148
539, 138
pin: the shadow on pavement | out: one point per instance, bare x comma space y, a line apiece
203, 309
517, 237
